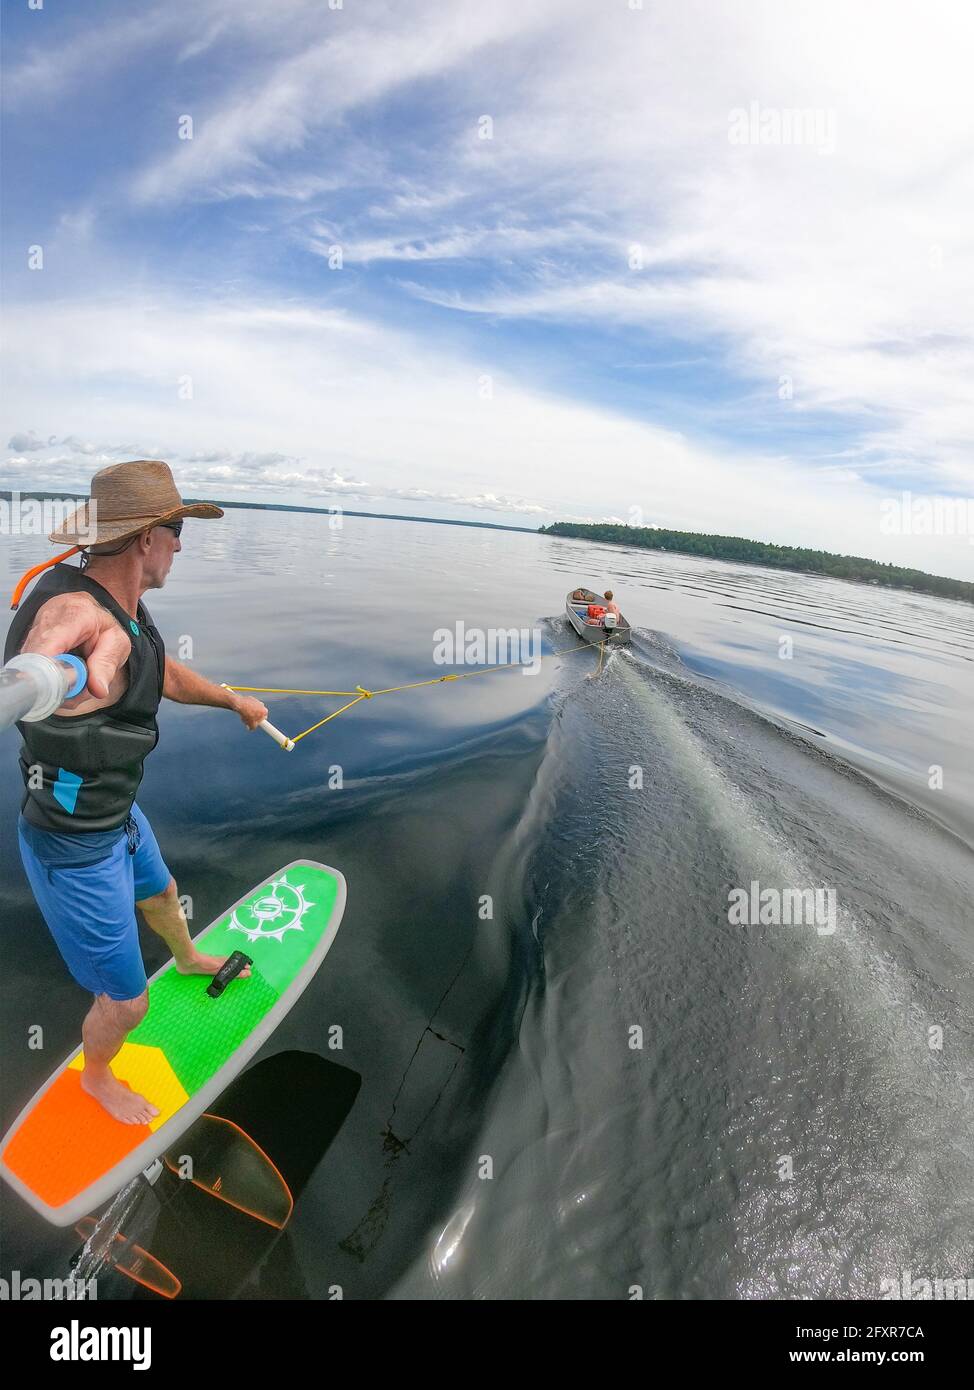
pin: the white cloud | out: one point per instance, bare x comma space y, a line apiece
26, 442
357, 59
846, 277
336, 407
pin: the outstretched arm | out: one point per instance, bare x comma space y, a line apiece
187, 687
72, 622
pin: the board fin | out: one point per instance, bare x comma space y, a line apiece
133, 1261
219, 1157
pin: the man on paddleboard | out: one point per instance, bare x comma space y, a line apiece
87, 848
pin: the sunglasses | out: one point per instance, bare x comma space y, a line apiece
175, 526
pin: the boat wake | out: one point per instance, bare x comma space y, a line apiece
698, 1108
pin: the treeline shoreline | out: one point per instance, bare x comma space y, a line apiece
783, 557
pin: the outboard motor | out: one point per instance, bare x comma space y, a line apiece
610, 621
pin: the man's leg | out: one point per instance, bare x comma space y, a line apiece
158, 899
90, 911
164, 914
107, 1025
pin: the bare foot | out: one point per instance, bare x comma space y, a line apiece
198, 964
118, 1099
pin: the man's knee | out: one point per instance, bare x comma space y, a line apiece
128, 1013
168, 895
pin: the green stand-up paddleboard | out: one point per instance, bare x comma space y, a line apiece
65, 1154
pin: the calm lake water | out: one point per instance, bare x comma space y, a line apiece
600, 1082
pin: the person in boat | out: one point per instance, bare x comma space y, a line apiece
610, 605
88, 850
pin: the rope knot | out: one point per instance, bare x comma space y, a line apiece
365, 694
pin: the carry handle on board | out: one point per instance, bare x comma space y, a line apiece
228, 971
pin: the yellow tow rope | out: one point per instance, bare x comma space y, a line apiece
360, 693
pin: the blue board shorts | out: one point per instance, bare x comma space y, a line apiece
90, 911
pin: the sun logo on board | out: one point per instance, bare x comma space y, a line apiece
273, 913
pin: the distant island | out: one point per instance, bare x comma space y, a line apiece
781, 557
8, 496
375, 516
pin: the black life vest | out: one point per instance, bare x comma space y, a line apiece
90, 765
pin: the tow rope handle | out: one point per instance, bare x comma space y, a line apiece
280, 739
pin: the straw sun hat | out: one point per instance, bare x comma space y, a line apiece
125, 499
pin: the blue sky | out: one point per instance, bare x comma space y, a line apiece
613, 307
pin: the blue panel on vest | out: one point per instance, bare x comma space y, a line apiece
66, 789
